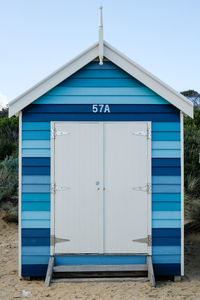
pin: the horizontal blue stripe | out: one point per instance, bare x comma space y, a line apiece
36, 144
106, 65
35, 197
36, 135
35, 241
35, 223
166, 153
166, 197
46, 99
167, 269
35, 126
162, 126
166, 250
157, 117
88, 108
37, 206
108, 82
35, 232
172, 206
166, 223
166, 162
34, 270
33, 161
166, 241
166, 179
168, 215
165, 145
36, 170
99, 260
103, 91
34, 250
35, 215
36, 188
36, 152
98, 73
166, 188
166, 232
165, 136
35, 179
166, 259
35, 259
171, 171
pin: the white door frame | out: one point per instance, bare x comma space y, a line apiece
149, 176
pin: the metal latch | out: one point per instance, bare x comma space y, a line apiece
146, 188
55, 132
55, 188
143, 133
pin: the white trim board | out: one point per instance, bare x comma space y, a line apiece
152, 82
20, 197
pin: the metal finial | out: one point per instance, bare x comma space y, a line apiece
100, 36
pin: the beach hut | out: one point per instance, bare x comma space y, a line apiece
101, 169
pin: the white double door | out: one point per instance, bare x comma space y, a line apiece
101, 175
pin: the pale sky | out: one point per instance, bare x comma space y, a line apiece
39, 36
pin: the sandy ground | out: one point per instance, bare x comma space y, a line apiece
11, 287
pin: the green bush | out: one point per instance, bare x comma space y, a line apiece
8, 179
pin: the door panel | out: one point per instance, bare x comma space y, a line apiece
78, 172
125, 170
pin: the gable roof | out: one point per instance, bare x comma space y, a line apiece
115, 56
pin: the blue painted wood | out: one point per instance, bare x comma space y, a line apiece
103, 91
166, 250
36, 232
35, 241
114, 108
167, 269
35, 197
166, 188
164, 145
40, 250
165, 126
35, 259
166, 197
166, 232
36, 153
165, 117
101, 82
35, 135
166, 241
33, 161
106, 65
171, 171
166, 224
35, 179
36, 143
172, 206
99, 260
166, 215
116, 73
165, 136
35, 188
166, 259
166, 153
100, 100
34, 270
36, 170
36, 206
35, 223
35, 126
166, 162
166, 179
35, 215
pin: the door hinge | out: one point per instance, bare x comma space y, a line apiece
54, 240
143, 133
56, 188
147, 240
55, 132
146, 188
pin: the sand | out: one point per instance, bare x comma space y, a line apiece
11, 287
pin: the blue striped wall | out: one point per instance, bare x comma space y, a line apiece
109, 85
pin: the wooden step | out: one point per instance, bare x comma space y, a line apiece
97, 279
99, 268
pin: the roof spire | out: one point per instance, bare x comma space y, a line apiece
100, 36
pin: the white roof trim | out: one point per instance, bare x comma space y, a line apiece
117, 58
